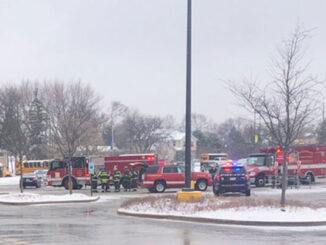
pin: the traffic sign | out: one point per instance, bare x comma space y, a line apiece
91, 168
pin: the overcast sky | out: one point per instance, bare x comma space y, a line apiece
134, 51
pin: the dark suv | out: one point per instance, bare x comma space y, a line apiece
231, 179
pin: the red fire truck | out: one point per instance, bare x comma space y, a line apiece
126, 159
139, 161
309, 162
59, 171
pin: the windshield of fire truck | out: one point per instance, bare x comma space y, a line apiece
258, 160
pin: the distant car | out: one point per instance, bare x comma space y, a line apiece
195, 166
41, 173
159, 177
231, 178
242, 162
32, 179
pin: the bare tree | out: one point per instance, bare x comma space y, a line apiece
286, 104
74, 114
14, 122
142, 132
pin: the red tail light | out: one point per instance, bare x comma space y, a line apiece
247, 176
87, 175
217, 177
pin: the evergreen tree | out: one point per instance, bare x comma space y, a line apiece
38, 119
236, 144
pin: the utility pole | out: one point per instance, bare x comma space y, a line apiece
323, 112
112, 134
188, 101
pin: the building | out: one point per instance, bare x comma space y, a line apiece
174, 149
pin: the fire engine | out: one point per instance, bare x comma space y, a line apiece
308, 162
126, 159
58, 174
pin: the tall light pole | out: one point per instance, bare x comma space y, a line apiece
188, 101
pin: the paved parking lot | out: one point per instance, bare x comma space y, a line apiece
86, 223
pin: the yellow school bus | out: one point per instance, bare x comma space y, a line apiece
32, 165
208, 160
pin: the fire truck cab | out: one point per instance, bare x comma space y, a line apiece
260, 167
58, 174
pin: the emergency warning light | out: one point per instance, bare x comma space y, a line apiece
228, 164
231, 163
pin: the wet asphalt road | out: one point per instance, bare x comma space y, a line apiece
98, 223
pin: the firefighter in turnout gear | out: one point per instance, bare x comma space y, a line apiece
104, 177
134, 177
94, 182
116, 179
127, 179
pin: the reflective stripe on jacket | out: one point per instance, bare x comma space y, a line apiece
104, 176
116, 176
134, 175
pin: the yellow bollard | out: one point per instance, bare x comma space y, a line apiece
192, 184
189, 196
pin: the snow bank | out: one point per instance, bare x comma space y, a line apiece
36, 198
10, 180
241, 209
268, 214
243, 214
301, 190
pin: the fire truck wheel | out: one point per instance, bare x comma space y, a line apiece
248, 192
201, 185
159, 186
260, 181
310, 178
66, 183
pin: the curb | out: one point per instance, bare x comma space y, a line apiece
223, 221
48, 202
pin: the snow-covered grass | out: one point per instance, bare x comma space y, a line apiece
234, 208
10, 180
36, 198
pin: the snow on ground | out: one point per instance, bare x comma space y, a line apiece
10, 180
267, 214
289, 191
29, 197
229, 209
244, 214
